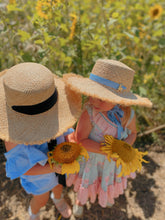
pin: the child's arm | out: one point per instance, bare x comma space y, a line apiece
132, 137
37, 169
83, 130
70, 137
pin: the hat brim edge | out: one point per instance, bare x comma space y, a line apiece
140, 101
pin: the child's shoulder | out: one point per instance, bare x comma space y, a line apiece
9, 145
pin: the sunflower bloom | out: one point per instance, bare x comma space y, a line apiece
12, 2
124, 154
155, 11
68, 155
73, 27
84, 153
148, 77
73, 167
43, 7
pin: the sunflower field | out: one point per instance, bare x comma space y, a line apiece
69, 36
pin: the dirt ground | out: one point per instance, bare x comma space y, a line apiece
143, 199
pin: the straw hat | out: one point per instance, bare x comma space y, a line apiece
3, 72
35, 104
109, 81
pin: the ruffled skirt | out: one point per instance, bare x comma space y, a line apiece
98, 177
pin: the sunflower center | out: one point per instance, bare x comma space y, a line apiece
66, 148
155, 12
124, 150
66, 152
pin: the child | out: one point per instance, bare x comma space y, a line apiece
35, 108
107, 112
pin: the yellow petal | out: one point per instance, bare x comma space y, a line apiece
84, 153
68, 168
108, 156
118, 162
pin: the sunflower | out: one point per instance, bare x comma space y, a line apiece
12, 2
73, 27
45, 6
67, 154
155, 11
124, 154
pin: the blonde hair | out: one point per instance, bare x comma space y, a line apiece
127, 114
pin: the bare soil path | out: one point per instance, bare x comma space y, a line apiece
144, 199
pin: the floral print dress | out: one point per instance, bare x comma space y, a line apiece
98, 176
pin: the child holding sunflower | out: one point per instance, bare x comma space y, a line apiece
33, 105
107, 120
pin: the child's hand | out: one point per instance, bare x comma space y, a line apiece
70, 137
57, 168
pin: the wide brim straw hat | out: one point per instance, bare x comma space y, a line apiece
36, 106
110, 81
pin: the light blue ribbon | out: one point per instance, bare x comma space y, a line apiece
105, 82
116, 111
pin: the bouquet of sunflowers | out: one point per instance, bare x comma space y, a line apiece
67, 154
130, 158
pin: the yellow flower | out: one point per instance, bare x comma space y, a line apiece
43, 7
12, 2
148, 37
142, 34
73, 167
73, 27
68, 154
155, 11
124, 154
115, 15
148, 77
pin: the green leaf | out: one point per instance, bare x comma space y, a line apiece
128, 34
111, 21
24, 35
40, 42
130, 58
13, 7
142, 91
136, 39
158, 33
27, 57
44, 61
47, 37
156, 58
154, 47
64, 27
63, 41
162, 42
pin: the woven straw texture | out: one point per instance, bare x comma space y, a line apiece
30, 84
111, 70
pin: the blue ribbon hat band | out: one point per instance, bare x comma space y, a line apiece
107, 82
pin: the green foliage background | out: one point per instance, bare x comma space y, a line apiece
121, 30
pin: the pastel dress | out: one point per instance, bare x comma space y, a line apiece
98, 176
22, 157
